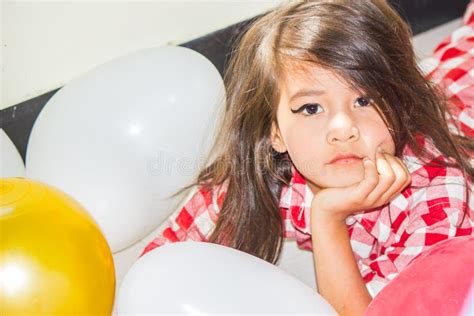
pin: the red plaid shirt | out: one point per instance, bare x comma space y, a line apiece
388, 238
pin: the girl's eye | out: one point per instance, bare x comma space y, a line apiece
363, 101
310, 109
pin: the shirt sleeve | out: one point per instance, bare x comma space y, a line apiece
433, 213
194, 221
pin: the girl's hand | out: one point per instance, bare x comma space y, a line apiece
382, 181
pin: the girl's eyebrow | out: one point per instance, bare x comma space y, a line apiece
305, 93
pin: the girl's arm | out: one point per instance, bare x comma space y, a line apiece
338, 278
194, 221
337, 274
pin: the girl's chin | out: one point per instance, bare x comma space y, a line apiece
333, 178
331, 183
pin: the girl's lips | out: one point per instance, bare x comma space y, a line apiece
346, 161
345, 158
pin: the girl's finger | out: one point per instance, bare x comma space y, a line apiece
407, 177
383, 166
407, 171
400, 179
386, 179
367, 185
402, 163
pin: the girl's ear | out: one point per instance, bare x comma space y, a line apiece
277, 140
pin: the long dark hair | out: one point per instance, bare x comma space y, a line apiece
365, 42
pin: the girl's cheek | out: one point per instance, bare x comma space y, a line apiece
386, 143
388, 146
302, 144
301, 136
377, 134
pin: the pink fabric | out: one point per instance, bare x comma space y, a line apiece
436, 283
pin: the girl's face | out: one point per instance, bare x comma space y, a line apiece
320, 117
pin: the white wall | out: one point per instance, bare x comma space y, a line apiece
45, 44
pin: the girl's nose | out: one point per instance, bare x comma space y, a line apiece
342, 128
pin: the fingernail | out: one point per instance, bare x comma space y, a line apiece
379, 149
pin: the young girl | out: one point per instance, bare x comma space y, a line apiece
334, 137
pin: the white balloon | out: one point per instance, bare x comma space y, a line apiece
128, 134
11, 164
197, 278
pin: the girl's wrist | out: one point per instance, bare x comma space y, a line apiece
325, 219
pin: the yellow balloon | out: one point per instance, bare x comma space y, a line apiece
54, 259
